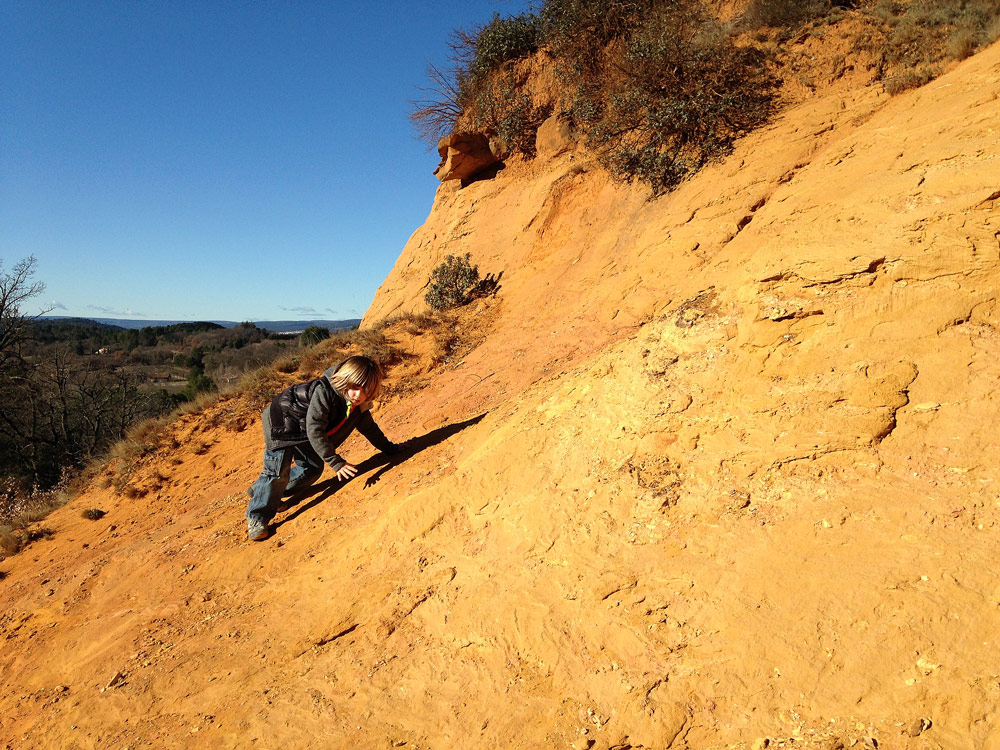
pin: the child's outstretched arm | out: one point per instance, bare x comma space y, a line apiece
317, 419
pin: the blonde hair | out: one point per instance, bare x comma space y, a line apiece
361, 372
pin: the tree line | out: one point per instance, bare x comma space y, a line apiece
70, 389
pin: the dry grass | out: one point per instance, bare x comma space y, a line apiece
258, 386
20, 510
286, 364
13, 539
118, 467
20, 507
992, 32
961, 45
913, 40
200, 447
132, 492
909, 79
908, 42
141, 440
783, 13
196, 405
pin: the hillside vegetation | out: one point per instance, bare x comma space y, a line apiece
658, 88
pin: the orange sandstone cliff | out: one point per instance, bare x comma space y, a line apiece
719, 472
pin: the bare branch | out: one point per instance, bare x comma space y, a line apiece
435, 115
16, 288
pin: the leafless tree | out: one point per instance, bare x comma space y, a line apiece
16, 288
435, 114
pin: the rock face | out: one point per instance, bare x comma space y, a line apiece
716, 466
463, 156
554, 137
805, 351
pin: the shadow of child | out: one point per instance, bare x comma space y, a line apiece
381, 461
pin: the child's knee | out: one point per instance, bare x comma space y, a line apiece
272, 464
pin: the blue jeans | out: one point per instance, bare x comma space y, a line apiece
280, 478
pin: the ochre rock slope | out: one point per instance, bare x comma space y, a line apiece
719, 473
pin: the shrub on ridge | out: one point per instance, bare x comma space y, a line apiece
452, 282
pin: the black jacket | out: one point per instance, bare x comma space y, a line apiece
325, 425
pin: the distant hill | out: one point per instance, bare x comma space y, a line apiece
79, 322
278, 326
293, 326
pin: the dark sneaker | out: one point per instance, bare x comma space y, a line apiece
257, 531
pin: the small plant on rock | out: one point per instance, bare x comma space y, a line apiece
452, 282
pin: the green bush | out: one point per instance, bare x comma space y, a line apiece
570, 25
452, 282
312, 335
675, 92
198, 382
659, 87
494, 97
466, 85
504, 39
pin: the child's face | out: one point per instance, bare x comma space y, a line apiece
355, 394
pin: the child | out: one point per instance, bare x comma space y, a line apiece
307, 423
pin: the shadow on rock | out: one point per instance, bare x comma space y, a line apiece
382, 461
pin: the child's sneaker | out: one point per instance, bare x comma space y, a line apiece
257, 531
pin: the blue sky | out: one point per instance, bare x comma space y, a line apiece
216, 160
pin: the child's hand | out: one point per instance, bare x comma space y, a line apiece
346, 472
